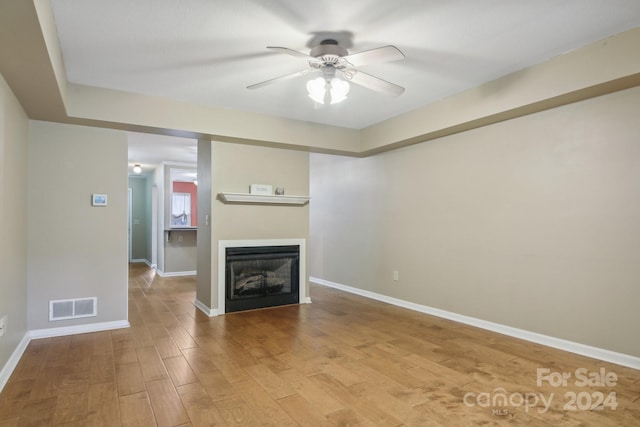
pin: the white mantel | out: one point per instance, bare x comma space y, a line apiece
263, 198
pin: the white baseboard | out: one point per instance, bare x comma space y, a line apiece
570, 346
211, 312
175, 273
78, 329
11, 364
146, 261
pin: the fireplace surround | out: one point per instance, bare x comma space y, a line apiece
260, 273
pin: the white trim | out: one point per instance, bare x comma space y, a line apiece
154, 223
77, 329
11, 364
130, 222
224, 244
144, 260
211, 312
561, 344
175, 273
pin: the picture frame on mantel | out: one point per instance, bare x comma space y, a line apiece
261, 189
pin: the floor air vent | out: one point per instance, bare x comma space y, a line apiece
72, 308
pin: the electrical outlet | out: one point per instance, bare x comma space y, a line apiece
3, 325
396, 276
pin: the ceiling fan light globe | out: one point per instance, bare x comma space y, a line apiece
325, 91
316, 89
339, 90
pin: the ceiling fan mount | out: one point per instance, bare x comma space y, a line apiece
328, 52
333, 61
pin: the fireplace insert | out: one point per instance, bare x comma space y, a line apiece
262, 276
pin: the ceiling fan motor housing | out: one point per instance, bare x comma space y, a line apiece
328, 51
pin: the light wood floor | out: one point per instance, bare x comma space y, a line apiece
343, 360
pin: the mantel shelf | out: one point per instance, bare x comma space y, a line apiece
258, 198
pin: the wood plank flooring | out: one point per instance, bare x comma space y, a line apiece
343, 360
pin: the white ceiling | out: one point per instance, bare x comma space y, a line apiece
149, 151
208, 51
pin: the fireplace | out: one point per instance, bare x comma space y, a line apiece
261, 276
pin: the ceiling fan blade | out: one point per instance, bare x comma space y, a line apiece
371, 82
295, 53
377, 55
290, 52
279, 79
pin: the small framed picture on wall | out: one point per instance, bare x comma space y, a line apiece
98, 200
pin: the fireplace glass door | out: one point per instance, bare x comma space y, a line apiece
259, 277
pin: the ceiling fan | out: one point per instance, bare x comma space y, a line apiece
337, 68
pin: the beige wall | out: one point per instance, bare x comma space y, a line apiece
203, 265
76, 250
234, 168
14, 135
532, 223
180, 254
